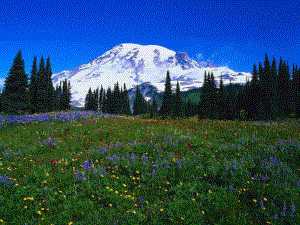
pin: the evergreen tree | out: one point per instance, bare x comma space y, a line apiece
41, 104
154, 110
88, 100
267, 89
49, 89
100, 100
15, 94
33, 86
254, 95
126, 104
108, 102
138, 103
166, 108
117, 99
274, 91
203, 106
230, 102
221, 101
69, 96
178, 111
262, 92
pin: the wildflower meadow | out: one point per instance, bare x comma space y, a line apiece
93, 168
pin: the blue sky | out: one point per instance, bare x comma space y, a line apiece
232, 33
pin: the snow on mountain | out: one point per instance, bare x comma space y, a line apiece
135, 64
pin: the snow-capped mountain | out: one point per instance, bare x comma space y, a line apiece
135, 64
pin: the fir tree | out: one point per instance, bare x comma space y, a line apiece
254, 95
221, 101
33, 86
126, 104
178, 111
138, 103
230, 103
15, 94
41, 104
274, 91
88, 100
166, 108
49, 89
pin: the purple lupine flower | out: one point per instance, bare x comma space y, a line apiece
278, 170
127, 155
230, 188
91, 163
83, 176
226, 168
104, 150
153, 172
200, 167
276, 216
262, 203
264, 178
178, 163
144, 163
11, 182
141, 199
283, 213
86, 165
123, 158
293, 208
156, 166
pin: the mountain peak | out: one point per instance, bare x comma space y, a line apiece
134, 64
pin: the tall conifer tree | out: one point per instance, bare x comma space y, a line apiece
166, 107
15, 94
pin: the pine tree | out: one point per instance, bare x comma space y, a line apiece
230, 102
117, 99
126, 103
41, 104
15, 94
100, 100
203, 106
138, 103
166, 108
254, 95
274, 91
88, 99
33, 86
221, 101
49, 89
109, 101
178, 111
69, 96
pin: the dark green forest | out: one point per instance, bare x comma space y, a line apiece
272, 93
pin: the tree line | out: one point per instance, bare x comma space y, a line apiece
37, 95
271, 94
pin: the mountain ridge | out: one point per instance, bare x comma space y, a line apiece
134, 64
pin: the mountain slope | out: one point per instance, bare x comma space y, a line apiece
135, 64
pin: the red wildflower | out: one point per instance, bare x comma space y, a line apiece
42, 161
65, 132
54, 162
88, 141
162, 147
78, 159
87, 154
44, 201
51, 161
108, 144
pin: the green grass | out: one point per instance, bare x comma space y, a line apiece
192, 179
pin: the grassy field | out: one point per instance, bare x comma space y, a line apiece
82, 168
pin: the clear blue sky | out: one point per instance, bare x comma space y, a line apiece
233, 33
